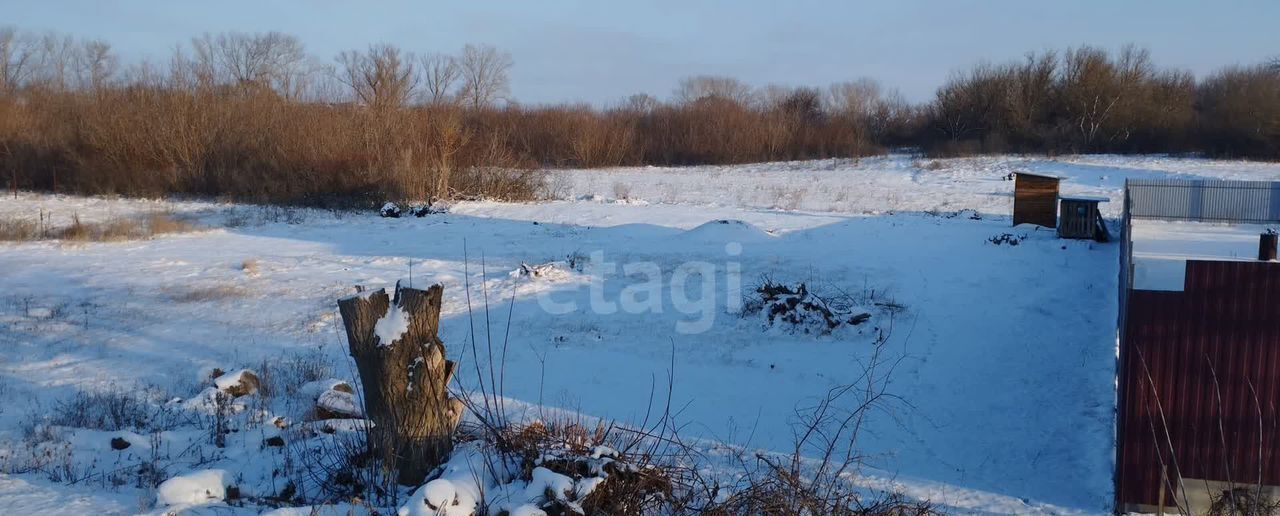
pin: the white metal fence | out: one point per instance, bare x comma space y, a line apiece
1209, 200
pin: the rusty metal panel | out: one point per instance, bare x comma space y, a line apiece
1035, 200
1200, 381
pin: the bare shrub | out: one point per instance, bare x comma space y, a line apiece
285, 375
18, 230
633, 481
112, 410
1244, 501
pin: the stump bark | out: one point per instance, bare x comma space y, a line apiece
406, 381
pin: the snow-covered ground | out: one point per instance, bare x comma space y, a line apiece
891, 184
1161, 248
1005, 353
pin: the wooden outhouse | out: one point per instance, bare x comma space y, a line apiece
1079, 218
1035, 199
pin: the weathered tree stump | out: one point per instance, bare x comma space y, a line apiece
405, 381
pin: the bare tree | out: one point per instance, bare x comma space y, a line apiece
1030, 98
772, 96
803, 104
640, 103
967, 104
381, 78
857, 99
484, 74
1092, 88
54, 62
693, 89
440, 73
95, 64
270, 60
17, 59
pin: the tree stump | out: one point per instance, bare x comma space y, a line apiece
405, 381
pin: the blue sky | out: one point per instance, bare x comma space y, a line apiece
602, 51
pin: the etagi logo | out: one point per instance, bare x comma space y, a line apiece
690, 290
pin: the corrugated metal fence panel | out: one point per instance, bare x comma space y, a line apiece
1205, 200
1200, 381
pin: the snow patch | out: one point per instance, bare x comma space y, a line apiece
338, 402
229, 380
728, 230
391, 326
550, 271
315, 388
196, 488
458, 490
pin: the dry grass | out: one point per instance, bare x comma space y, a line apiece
77, 231
116, 229
119, 229
18, 230
207, 293
165, 223
250, 266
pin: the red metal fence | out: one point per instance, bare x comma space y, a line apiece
1199, 373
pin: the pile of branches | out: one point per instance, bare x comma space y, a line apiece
800, 310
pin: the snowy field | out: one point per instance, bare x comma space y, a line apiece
1005, 353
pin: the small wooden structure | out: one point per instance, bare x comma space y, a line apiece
1079, 218
1035, 199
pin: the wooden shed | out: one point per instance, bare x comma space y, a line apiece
1035, 199
1080, 218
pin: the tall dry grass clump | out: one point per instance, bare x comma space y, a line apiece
112, 230
18, 230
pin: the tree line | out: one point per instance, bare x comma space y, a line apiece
257, 117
